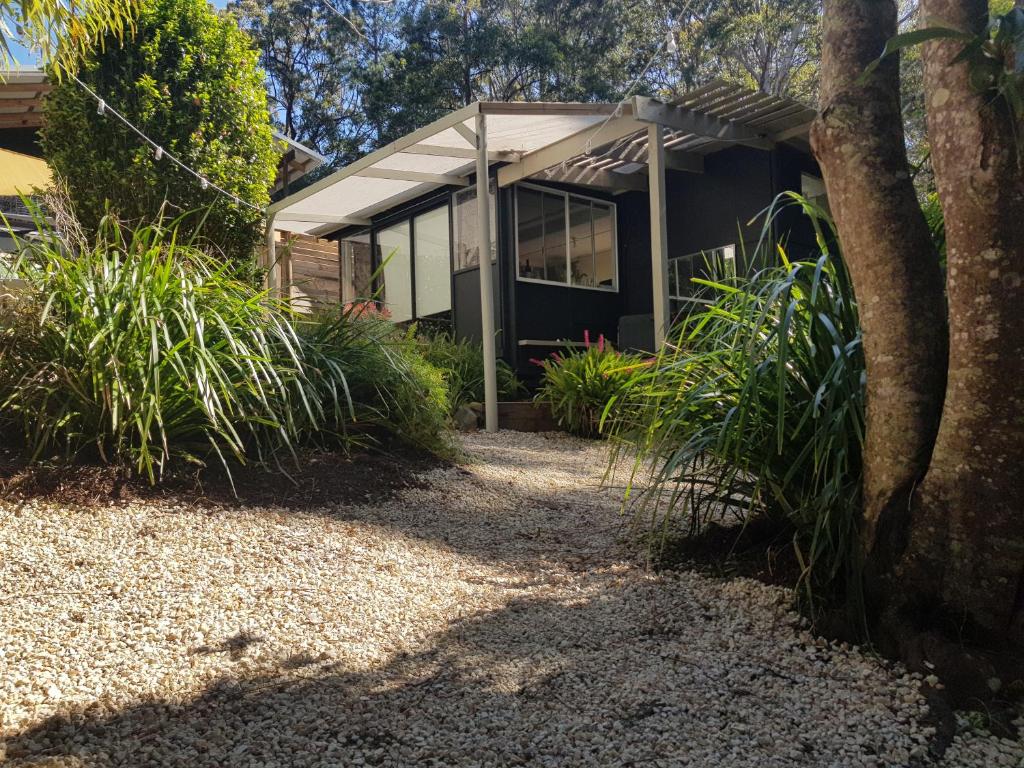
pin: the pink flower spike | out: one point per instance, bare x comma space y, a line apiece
557, 356
535, 361
586, 338
600, 343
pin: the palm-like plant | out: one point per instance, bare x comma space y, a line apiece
757, 406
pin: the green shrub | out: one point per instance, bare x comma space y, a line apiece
585, 387
392, 386
143, 350
462, 363
757, 407
189, 80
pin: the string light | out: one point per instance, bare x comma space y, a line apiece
102, 108
670, 44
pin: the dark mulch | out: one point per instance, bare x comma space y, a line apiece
762, 549
318, 478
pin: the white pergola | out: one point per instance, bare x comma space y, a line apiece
616, 147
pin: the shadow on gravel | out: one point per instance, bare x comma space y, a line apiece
629, 673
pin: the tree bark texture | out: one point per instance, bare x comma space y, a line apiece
859, 143
967, 543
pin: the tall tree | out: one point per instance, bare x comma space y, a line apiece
307, 49
944, 497
189, 81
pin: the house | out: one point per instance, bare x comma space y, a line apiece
596, 216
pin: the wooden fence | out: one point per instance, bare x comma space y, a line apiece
310, 269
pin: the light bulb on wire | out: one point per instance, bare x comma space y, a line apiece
670, 43
159, 153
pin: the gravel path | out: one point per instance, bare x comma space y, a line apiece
492, 618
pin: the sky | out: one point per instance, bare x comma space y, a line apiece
26, 60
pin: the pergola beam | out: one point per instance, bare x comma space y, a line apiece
415, 176
317, 218
466, 133
691, 121
572, 146
463, 153
595, 177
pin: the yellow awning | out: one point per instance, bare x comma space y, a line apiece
20, 174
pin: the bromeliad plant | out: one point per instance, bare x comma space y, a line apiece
583, 388
757, 407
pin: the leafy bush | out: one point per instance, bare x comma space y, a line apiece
189, 80
462, 363
584, 387
758, 407
392, 386
142, 350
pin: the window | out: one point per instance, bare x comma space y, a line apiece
395, 254
710, 264
566, 239
467, 248
432, 261
592, 243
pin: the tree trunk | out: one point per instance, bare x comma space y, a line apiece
967, 544
859, 142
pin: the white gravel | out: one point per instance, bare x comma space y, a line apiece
493, 618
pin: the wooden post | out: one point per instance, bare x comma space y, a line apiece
483, 205
659, 233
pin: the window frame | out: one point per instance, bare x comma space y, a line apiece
566, 196
692, 300
495, 224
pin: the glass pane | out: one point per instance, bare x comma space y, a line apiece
356, 268
673, 280
581, 243
685, 268
604, 245
554, 237
393, 246
467, 249
530, 233
433, 268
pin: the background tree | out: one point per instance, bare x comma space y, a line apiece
944, 514
189, 80
347, 77
307, 50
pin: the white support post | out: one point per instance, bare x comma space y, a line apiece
271, 258
483, 204
659, 232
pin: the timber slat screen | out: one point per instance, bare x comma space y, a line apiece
311, 269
